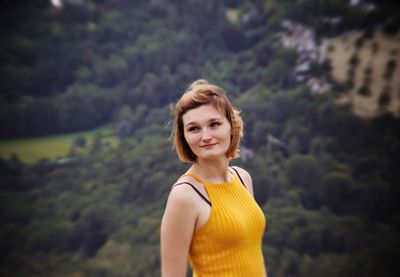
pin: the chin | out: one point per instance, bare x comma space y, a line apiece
212, 156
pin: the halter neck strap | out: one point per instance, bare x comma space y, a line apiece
194, 176
201, 180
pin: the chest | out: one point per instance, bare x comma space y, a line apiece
235, 216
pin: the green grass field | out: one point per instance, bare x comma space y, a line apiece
31, 150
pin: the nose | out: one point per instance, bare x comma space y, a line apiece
206, 135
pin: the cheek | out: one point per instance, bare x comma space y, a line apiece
229, 134
187, 138
190, 138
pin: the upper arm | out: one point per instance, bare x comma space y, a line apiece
177, 228
246, 177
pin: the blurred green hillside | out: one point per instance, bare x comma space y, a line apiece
32, 150
326, 179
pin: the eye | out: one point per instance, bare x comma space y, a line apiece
193, 129
215, 124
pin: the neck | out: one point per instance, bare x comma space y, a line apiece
213, 171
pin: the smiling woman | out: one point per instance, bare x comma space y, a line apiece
201, 93
211, 218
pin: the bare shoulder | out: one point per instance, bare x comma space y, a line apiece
180, 195
246, 177
180, 207
182, 191
243, 173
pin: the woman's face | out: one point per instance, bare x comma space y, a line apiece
207, 131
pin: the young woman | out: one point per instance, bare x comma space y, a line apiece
211, 218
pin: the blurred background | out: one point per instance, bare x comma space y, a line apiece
85, 98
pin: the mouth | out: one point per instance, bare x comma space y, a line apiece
208, 145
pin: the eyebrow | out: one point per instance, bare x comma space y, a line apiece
208, 121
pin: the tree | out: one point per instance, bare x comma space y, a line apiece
305, 172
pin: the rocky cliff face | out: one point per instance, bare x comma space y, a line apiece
369, 64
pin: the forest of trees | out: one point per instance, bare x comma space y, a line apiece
330, 195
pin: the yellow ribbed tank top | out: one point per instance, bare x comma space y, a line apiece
230, 242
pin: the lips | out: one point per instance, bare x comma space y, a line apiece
208, 145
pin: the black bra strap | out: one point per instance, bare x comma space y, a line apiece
198, 192
240, 178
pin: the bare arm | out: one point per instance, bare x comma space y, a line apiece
177, 228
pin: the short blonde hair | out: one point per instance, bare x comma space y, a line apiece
198, 94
